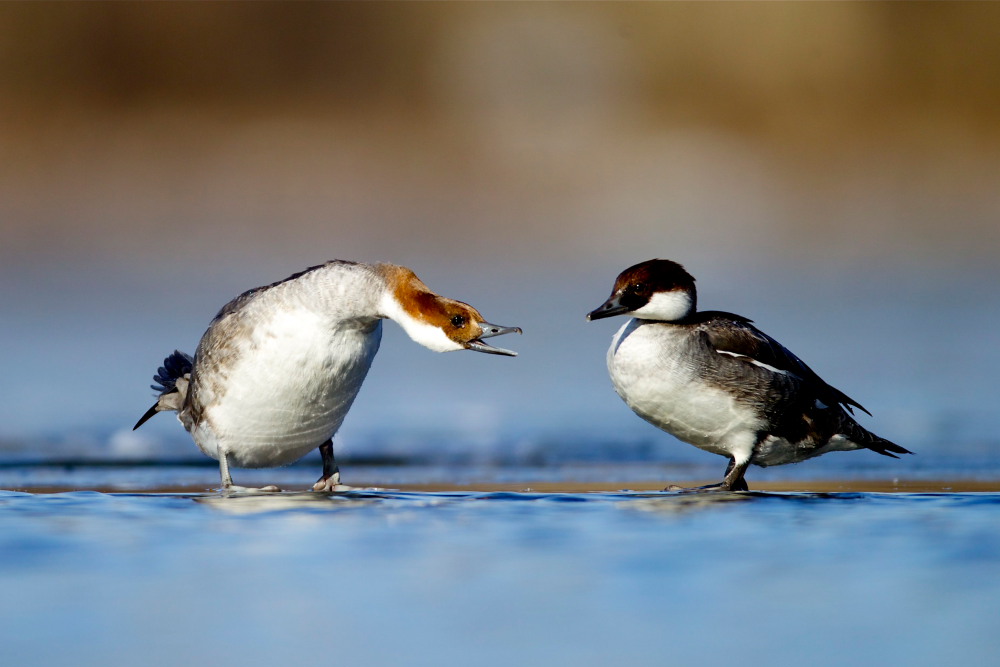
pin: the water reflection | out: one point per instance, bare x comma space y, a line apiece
256, 502
261, 502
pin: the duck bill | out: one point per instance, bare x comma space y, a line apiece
609, 308
490, 330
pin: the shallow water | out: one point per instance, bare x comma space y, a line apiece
418, 578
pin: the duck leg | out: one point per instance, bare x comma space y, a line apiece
227, 479
733, 481
331, 471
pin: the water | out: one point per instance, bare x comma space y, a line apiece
497, 578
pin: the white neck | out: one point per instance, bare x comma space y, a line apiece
428, 335
666, 307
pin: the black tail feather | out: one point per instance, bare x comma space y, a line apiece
886, 447
175, 366
861, 436
149, 413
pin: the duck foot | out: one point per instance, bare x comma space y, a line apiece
233, 488
733, 481
721, 486
329, 482
330, 486
227, 479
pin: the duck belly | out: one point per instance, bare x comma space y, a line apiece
651, 373
286, 392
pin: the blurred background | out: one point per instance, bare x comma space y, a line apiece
830, 170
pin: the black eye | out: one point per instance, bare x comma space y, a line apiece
638, 288
458, 321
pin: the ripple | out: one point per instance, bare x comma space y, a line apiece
597, 577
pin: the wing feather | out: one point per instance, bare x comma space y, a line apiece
736, 335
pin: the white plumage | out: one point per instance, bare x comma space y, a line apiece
280, 366
715, 381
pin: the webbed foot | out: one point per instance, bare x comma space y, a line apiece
329, 482
330, 486
233, 488
733, 481
721, 486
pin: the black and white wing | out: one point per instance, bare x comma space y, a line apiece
735, 335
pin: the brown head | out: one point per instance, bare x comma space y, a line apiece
436, 322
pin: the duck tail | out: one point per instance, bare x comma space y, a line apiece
886, 447
171, 380
862, 436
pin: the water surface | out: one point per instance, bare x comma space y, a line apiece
497, 578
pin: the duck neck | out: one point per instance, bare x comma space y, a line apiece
407, 301
343, 291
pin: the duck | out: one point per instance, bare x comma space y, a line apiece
714, 380
278, 368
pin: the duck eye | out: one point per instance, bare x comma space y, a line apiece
639, 288
458, 321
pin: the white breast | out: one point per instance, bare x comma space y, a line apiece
289, 388
652, 369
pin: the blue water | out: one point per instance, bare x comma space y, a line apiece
394, 578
